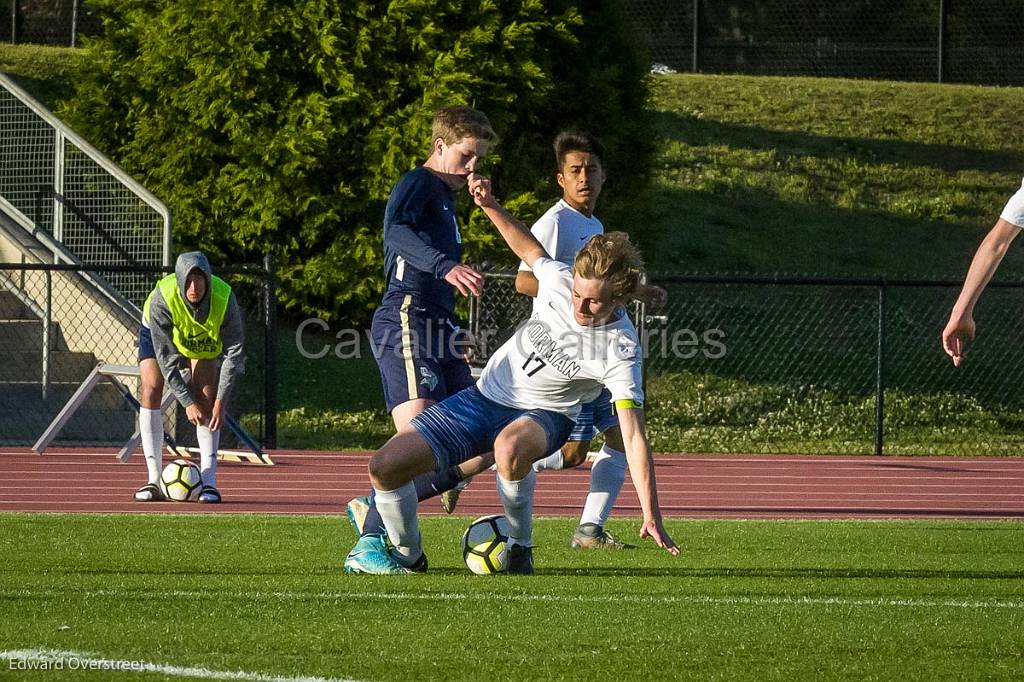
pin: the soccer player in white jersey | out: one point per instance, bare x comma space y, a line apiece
960, 328
562, 231
525, 402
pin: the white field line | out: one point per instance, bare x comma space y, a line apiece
55, 659
708, 600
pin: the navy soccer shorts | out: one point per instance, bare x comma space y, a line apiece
419, 353
146, 350
467, 423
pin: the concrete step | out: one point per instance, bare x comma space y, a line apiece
24, 366
27, 397
28, 335
13, 309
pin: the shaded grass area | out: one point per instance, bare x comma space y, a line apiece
831, 176
329, 403
692, 412
43, 71
745, 600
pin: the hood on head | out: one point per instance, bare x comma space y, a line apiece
187, 262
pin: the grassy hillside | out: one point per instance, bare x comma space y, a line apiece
43, 71
827, 176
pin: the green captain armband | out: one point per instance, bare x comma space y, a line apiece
628, 404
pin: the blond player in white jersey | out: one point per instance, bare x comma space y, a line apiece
524, 404
960, 328
562, 231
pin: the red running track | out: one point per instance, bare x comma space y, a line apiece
690, 486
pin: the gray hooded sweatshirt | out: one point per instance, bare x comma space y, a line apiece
167, 355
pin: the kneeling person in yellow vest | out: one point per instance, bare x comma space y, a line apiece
191, 318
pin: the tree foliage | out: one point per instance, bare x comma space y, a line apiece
272, 126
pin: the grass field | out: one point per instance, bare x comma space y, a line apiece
745, 600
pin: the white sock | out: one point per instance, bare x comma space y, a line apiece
151, 430
517, 496
397, 509
209, 441
554, 461
606, 477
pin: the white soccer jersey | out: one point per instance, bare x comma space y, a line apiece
554, 363
562, 231
1013, 212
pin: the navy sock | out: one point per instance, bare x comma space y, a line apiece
436, 482
428, 485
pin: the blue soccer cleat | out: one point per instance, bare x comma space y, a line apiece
356, 510
370, 555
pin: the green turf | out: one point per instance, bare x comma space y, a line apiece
751, 600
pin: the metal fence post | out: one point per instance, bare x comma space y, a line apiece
696, 37
880, 375
74, 21
14, 22
270, 350
58, 185
942, 42
47, 325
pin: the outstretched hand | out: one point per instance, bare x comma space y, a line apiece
959, 330
656, 531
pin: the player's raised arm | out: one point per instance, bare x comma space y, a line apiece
641, 470
519, 239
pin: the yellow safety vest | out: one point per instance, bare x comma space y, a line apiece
194, 340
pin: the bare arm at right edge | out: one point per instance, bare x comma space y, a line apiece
519, 239
960, 328
641, 471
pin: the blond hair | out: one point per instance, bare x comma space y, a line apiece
453, 124
613, 258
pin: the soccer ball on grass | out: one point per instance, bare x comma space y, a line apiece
485, 543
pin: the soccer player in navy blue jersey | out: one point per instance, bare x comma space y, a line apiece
417, 339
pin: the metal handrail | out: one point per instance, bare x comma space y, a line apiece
97, 157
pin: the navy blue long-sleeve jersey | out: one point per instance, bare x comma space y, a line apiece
421, 240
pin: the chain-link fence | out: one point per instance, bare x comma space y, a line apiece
53, 22
803, 365
963, 41
56, 326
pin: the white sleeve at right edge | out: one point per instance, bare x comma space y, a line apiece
546, 232
1014, 211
